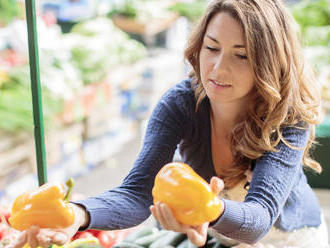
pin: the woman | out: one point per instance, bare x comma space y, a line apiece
244, 120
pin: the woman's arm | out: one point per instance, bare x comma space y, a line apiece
272, 182
128, 204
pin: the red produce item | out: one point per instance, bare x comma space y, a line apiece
107, 238
94, 232
3, 230
80, 235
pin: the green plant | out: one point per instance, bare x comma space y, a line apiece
9, 9
192, 11
312, 13
127, 9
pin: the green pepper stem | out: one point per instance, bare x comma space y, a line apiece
70, 184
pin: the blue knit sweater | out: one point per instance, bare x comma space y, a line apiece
278, 195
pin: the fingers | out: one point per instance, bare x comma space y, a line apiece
164, 215
32, 233
60, 239
217, 185
20, 242
198, 235
44, 241
154, 212
47, 237
43, 238
169, 220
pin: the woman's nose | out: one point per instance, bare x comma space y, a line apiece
221, 64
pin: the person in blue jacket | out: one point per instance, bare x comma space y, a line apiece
244, 120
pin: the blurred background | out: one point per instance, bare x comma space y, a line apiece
104, 64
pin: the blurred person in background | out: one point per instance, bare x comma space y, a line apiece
245, 121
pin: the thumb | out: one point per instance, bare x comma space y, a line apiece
217, 185
197, 238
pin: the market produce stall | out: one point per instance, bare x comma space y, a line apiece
46, 208
87, 88
87, 98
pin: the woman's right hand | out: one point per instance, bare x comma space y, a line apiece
196, 234
44, 237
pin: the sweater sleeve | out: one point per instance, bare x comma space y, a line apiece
273, 178
128, 205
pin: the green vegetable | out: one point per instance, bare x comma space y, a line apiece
16, 108
89, 246
93, 66
96, 50
170, 239
218, 245
9, 10
184, 244
143, 231
16, 102
127, 8
127, 245
317, 36
214, 243
312, 13
192, 11
191, 245
147, 240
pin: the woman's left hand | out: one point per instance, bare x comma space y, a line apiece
196, 234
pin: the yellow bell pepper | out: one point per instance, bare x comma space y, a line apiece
187, 194
46, 207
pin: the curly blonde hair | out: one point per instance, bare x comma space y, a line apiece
286, 91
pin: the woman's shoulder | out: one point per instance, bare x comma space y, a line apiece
296, 134
183, 89
181, 96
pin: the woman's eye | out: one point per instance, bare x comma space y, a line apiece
211, 48
241, 56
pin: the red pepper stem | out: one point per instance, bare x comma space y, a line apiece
70, 184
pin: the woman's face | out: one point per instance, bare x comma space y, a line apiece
226, 73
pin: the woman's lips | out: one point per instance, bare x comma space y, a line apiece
219, 84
